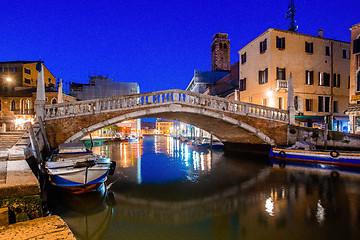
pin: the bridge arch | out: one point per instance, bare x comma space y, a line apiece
182, 114
231, 121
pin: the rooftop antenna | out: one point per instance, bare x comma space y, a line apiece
291, 14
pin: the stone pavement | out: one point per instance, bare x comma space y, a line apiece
52, 227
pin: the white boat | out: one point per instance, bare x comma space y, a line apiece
77, 169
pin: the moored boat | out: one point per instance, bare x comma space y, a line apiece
77, 169
307, 153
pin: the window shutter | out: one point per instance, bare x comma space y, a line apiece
356, 46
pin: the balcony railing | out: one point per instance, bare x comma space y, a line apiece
23, 111
281, 84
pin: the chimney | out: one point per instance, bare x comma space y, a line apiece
321, 32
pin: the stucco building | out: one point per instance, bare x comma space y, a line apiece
354, 93
319, 66
18, 93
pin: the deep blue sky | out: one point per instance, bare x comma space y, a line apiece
157, 43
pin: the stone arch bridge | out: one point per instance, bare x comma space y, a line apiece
231, 121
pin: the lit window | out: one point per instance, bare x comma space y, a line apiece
309, 77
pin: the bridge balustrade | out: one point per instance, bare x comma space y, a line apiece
70, 109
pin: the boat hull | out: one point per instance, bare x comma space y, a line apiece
79, 180
336, 158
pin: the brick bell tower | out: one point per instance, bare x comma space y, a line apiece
220, 52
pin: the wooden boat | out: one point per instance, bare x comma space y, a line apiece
307, 153
77, 169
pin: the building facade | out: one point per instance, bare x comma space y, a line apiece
354, 93
104, 87
18, 93
319, 66
164, 127
17, 74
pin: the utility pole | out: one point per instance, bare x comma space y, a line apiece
291, 14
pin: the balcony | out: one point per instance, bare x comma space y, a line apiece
281, 84
23, 112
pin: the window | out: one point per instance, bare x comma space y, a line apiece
281, 103
27, 71
263, 76
220, 45
14, 69
309, 47
345, 55
0, 105
356, 46
357, 82
280, 73
49, 79
324, 79
308, 105
12, 105
6, 69
336, 80
225, 46
27, 80
280, 42
323, 104
309, 77
243, 58
327, 51
296, 102
242, 84
336, 110
263, 46
263, 101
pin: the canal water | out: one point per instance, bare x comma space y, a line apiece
162, 189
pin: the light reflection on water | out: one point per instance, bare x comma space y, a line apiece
163, 190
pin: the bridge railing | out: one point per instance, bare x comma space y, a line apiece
95, 106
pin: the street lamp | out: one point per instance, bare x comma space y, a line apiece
8, 79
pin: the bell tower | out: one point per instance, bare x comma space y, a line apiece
220, 52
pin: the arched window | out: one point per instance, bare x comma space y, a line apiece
22, 105
358, 81
27, 104
12, 105
225, 46
54, 101
220, 45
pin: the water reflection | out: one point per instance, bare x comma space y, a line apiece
87, 215
163, 190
